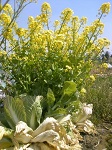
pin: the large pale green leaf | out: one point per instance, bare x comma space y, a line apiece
14, 111
36, 112
33, 110
3, 120
28, 102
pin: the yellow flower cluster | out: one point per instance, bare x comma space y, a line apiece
103, 42
66, 14
75, 18
2, 53
30, 19
92, 78
4, 19
21, 32
64, 34
46, 12
99, 25
56, 23
104, 65
8, 33
58, 44
16, 57
105, 8
68, 68
46, 8
31, 23
44, 18
75, 22
83, 20
8, 9
83, 91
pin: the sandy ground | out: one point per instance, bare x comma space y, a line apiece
102, 140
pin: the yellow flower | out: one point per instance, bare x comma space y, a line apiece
46, 7
106, 42
60, 37
105, 8
58, 44
5, 19
92, 78
8, 8
21, 32
100, 41
44, 18
83, 20
25, 58
83, 91
38, 18
103, 42
75, 18
30, 19
56, 23
2, 53
68, 67
66, 14
8, 33
104, 65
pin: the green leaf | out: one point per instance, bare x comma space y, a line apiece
5, 143
50, 98
28, 102
68, 94
5, 137
6, 132
69, 88
14, 111
73, 107
59, 112
3, 120
33, 110
36, 108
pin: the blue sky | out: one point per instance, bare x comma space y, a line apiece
87, 8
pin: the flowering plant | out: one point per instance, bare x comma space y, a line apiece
38, 58
52, 63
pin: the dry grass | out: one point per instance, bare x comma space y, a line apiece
100, 95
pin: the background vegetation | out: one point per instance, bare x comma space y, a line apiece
100, 95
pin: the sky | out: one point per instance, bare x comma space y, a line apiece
86, 8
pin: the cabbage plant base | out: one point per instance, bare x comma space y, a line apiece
50, 135
22, 128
